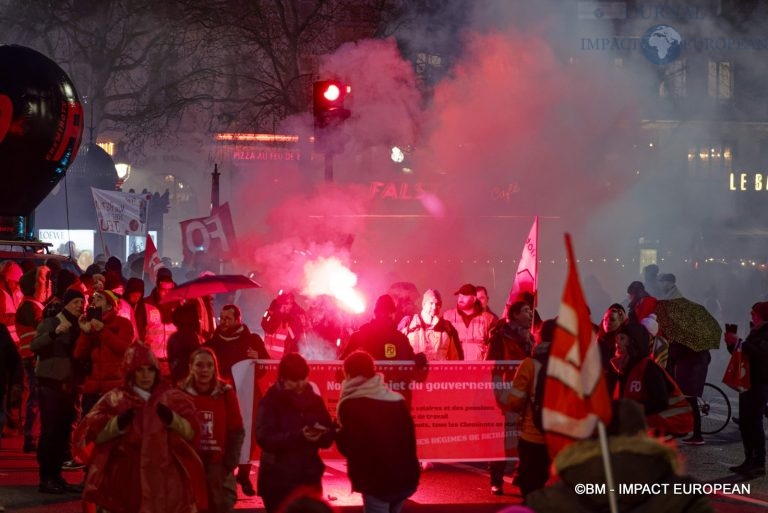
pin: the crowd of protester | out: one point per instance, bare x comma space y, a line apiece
139, 391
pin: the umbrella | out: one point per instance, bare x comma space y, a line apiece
688, 323
209, 285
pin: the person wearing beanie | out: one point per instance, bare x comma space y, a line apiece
58, 382
104, 338
377, 436
35, 286
429, 333
642, 380
752, 401
292, 425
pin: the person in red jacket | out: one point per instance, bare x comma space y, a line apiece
233, 342
222, 434
138, 443
103, 340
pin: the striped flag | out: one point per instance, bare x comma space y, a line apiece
575, 394
152, 260
526, 278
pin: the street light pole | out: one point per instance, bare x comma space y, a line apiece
328, 166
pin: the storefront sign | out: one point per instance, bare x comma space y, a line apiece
748, 182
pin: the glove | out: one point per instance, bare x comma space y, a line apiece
165, 413
124, 419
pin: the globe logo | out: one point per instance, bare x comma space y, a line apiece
661, 44
599, 13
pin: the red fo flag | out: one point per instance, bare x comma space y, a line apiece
575, 394
527, 276
152, 260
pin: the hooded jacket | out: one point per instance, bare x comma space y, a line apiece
106, 349
148, 467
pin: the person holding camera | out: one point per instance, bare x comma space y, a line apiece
104, 338
292, 425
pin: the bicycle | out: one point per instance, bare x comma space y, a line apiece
715, 409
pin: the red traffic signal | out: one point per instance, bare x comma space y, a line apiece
328, 102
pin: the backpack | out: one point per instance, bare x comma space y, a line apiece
537, 401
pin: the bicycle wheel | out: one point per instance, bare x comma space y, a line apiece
715, 409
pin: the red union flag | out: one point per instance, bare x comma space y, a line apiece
152, 260
527, 274
575, 394
214, 235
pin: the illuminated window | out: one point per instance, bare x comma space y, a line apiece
108, 147
648, 256
710, 160
673, 83
720, 80
428, 66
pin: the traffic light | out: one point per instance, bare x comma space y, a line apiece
328, 102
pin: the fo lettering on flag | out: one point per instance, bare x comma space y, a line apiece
152, 260
575, 394
526, 278
213, 235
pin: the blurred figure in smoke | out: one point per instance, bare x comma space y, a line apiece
284, 324
407, 298
330, 328
651, 279
483, 299
429, 333
668, 287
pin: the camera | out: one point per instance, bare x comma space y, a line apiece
93, 312
731, 328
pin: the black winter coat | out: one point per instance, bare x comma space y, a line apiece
379, 440
288, 460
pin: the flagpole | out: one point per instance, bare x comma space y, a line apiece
536, 266
608, 468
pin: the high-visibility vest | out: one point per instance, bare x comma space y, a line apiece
677, 417
27, 333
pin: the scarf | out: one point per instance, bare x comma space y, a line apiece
372, 388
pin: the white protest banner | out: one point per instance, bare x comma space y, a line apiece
121, 212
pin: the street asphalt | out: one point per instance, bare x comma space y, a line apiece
445, 488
